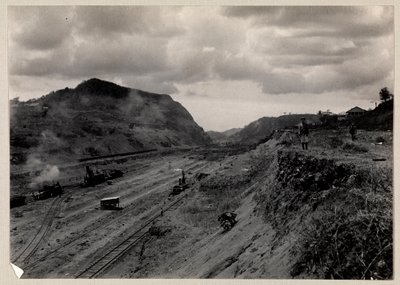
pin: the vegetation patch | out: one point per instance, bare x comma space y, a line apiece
341, 216
352, 147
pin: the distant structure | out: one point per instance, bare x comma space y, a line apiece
355, 112
341, 116
326, 113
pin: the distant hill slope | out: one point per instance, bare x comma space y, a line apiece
222, 136
380, 118
99, 118
262, 128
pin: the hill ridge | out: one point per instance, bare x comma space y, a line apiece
98, 117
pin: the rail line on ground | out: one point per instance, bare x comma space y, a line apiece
34, 243
109, 220
107, 259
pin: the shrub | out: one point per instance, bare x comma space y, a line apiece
343, 246
335, 142
354, 242
352, 147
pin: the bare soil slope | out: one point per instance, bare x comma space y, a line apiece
324, 213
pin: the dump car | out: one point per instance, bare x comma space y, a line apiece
110, 203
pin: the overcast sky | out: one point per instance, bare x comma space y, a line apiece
227, 65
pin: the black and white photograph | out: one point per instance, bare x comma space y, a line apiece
201, 142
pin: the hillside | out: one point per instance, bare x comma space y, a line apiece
263, 127
316, 214
380, 118
220, 137
98, 118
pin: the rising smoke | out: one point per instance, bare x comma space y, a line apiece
49, 173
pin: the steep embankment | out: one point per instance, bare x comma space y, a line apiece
259, 130
325, 213
98, 118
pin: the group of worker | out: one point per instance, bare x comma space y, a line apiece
304, 133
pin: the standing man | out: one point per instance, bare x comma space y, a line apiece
304, 132
183, 177
353, 131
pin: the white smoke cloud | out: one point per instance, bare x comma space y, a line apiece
49, 173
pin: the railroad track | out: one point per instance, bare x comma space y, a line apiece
111, 219
107, 259
32, 246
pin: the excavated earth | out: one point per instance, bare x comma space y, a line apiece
280, 193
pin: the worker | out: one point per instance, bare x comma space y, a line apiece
353, 132
304, 133
183, 177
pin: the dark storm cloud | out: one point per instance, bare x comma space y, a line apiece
295, 60
346, 21
127, 42
39, 28
108, 19
115, 20
346, 76
314, 46
133, 56
280, 49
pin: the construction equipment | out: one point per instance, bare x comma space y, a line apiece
113, 173
177, 189
182, 186
93, 178
48, 191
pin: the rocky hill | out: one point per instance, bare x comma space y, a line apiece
258, 130
98, 118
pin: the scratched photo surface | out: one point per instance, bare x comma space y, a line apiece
249, 142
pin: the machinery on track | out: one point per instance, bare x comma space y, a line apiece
95, 177
182, 186
48, 191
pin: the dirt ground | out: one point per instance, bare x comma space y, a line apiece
191, 244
